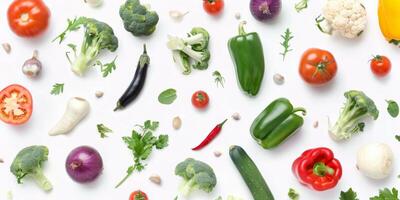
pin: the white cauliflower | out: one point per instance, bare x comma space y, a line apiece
347, 17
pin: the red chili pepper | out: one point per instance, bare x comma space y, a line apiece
317, 169
217, 129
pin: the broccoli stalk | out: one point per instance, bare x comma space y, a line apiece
98, 36
196, 175
28, 162
357, 106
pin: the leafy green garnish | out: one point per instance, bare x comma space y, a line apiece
107, 68
302, 4
58, 88
141, 143
287, 36
219, 79
167, 96
348, 195
393, 108
103, 130
73, 25
387, 194
397, 137
293, 195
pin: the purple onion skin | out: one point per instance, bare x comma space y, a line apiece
84, 164
264, 10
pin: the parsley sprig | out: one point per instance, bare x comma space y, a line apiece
103, 130
387, 194
58, 88
218, 78
141, 143
348, 195
107, 68
287, 36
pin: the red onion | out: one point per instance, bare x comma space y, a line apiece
84, 164
265, 9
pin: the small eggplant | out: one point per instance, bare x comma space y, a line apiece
136, 86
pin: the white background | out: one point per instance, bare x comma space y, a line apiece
354, 73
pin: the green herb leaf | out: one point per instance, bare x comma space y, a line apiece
58, 88
168, 96
387, 194
107, 68
397, 137
73, 25
103, 130
393, 108
141, 143
348, 195
287, 36
219, 79
293, 195
302, 4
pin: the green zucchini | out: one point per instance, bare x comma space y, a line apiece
250, 173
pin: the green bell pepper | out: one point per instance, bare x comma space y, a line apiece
276, 123
248, 57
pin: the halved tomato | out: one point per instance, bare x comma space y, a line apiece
15, 104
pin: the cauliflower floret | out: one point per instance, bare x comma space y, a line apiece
347, 17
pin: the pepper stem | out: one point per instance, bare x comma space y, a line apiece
241, 28
144, 49
221, 124
300, 109
320, 169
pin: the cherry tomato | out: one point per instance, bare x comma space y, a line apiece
200, 99
213, 7
317, 66
381, 65
28, 18
15, 105
138, 195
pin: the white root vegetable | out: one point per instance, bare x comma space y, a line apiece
77, 109
375, 160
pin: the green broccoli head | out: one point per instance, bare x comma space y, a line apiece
197, 175
137, 19
203, 63
28, 162
357, 106
98, 36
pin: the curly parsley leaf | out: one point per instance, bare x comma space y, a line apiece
141, 143
58, 88
387, 194
103, 130
107, 68
348, 195
73, 25
397, 137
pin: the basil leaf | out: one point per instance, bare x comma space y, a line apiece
393, 108
168, 96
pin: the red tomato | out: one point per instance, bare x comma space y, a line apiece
381, 65
138, 195
200, 99
15, 104
28, 18
213, 7
317, 66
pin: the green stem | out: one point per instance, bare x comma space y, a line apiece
320, 169
128, 174
300, 109
221, 124
42, 180
241, 28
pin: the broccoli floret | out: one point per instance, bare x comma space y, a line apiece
357, 106
28, 162
98, 36
198, 38
196, 175
137, 18
194, 50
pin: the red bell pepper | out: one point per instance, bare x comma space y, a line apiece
317, 169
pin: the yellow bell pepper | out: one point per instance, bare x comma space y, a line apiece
389, 20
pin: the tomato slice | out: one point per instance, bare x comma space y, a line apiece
15, 104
